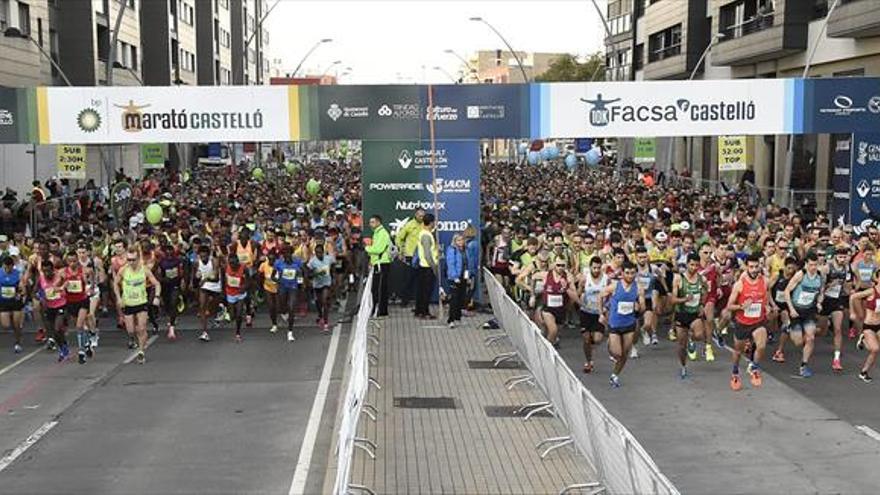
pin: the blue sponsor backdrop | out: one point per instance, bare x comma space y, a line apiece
865, 175
841, 105
473, 111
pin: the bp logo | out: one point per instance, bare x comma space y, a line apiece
88, 120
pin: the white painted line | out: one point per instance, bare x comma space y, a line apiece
134, 353
20, 360
28, 442
298, 485
871, 432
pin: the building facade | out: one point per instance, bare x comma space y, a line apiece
745, 39
501, 66
159, 43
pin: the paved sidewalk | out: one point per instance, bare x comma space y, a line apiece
460, 450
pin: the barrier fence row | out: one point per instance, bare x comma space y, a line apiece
353, 402
621, 464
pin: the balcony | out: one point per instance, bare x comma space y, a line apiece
855, 19
667, 63
763, 36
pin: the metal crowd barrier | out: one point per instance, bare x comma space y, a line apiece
354, 402
622, 465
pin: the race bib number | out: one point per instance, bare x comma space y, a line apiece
591, 302
643, 283
625, 307
865, 274
234, 282
74, 286
554, 300
693, 300
833, 292
806, 298
752, 310
780, 297
171, 273
52, 294
300, 280
244, 258
539, 286
288, 274
7, 292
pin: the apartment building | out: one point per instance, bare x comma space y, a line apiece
250, 39
214, 42
745, 39
501, 67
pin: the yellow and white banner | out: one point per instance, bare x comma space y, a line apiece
733, 153
71, 161
164, 114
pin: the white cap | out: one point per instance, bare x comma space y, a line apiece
661, 236
685, 226
653, 213
13, 251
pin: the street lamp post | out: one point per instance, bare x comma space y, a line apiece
327, 70
789, 152
608, 34
309, 53
445, 72
510, 48
467, 64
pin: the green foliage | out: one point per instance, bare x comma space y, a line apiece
567, 68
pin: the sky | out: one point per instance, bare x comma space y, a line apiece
401, 41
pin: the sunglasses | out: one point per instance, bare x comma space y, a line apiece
131, 259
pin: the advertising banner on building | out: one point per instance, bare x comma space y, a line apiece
153, 155
733, 153
841, 105
864, 178
646, 150
164, 114
841, 144
397, 180
663, 108
71, 161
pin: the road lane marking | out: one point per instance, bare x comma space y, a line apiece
26, 444
303, 462
871, 432
134, 353
20, 361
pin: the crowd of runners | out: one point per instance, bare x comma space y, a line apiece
625, 259
629, 261
227, 244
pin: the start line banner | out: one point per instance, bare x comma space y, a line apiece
194, 114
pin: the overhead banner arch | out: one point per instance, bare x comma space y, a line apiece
116, 115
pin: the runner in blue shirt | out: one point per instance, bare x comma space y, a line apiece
289, 275
11, 302
319, 266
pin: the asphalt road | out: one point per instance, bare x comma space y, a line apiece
216, 417
793, 435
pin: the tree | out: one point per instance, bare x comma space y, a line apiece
567, 68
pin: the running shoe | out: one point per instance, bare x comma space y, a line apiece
89, 352
710, 354
81, 357
93, 339
326, 326
249, 320
40, 336
204, 337
756, 378
238, 338
719, 340
865, 377
735, 383
273, 329
290, 337
63, 352
860, 344
633, 353
614, 381
155, 329
805, 372
852, 332
692, 350
50, 344
683, 373
654, 340
141, 357
490, 325
171, 335
588, 367
836, 366
672, 336
778, 356
131, 343
17, 348
646, 339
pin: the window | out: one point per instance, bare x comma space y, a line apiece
131, 4
224, 4
24, 19
639, 57
851, 73
820, 9
53, 50
744, 17
40, 31
4, 14
664, 44
134, 58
